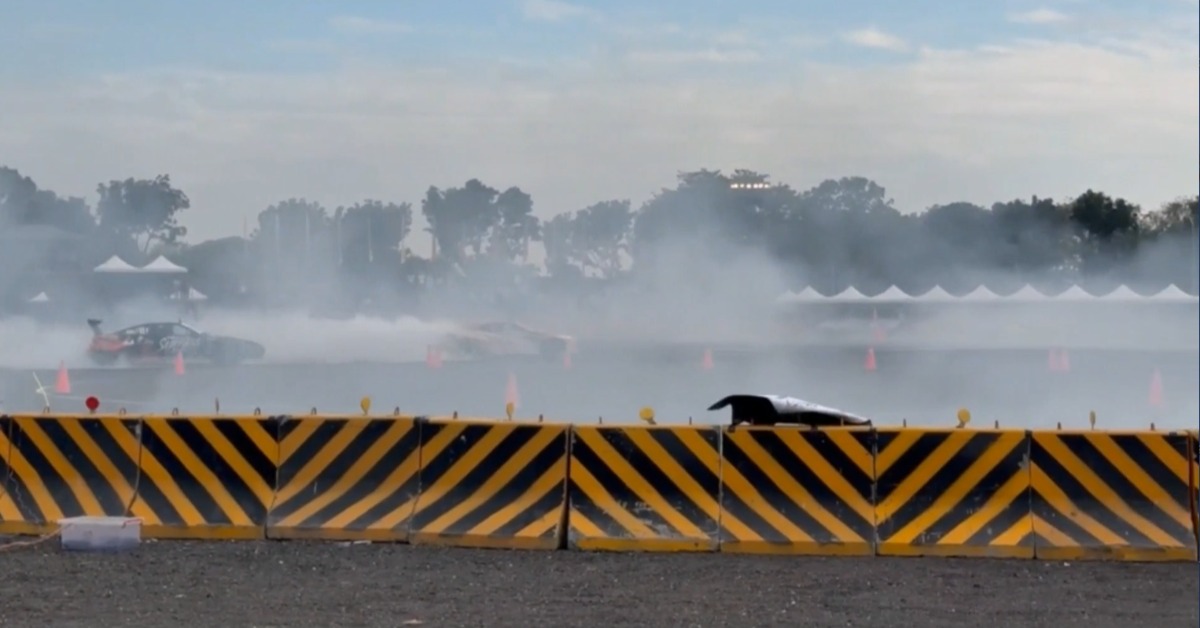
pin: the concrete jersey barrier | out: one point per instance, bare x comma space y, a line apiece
1048, 494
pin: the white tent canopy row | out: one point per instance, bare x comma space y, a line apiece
1027, 294
192, 295
159, 264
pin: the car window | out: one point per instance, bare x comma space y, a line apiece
180, 330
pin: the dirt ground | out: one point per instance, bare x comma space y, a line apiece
325, 584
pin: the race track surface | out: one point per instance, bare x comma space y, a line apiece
925, 387
300, 584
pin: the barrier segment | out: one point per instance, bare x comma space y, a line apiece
8, 508
797, 491
644, 488
206, 477
59, 467
487, 484
952, 492
1100, 495
346, 478
1194, 485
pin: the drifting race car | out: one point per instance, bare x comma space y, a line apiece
163, 341
504, 338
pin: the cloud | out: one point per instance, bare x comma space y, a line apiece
675, 57
1039, 16
363, 25
875, 38
555, 11
941, 125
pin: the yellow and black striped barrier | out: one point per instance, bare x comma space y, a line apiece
1194, 483
58, 467
525, 484
489, 484
206, 477
952, 492
645, 488
797, 491
1112, 496
346, 478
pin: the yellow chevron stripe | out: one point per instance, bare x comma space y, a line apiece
501, 477
911, 485
370, 458
953, 495
203, 474
1016, 487
641, 487
1103, 493
62, 466
1141, 480
901, 443
737, 483
863, 458
308, 473
234, 458
589, 485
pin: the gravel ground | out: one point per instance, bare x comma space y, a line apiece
326, 584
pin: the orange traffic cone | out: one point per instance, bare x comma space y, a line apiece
707, 362
433, 357
179, 370
62, 385
870, 364
511, 394
1156, 390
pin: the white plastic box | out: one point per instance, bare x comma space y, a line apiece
100, 534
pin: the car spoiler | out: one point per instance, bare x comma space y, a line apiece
94, 323
775, 409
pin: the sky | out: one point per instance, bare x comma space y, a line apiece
248, 103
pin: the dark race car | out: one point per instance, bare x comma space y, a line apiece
163, 341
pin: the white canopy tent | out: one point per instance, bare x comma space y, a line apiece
161, 264
982, 294
115, 264
193, 295
40, 298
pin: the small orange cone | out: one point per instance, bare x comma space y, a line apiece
707, 362
1156, 390
1052, 362
433, 357
62, 385
179, 370
870, 364
511, 394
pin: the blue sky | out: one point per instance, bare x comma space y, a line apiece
70, 38
245, 103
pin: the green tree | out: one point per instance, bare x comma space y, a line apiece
460, 218
142, 210
22, 203
592, 239
292, 230
1107, 229
371, 233
515, 226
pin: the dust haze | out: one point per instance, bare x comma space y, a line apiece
640, 340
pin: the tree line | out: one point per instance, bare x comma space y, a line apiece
839, 233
